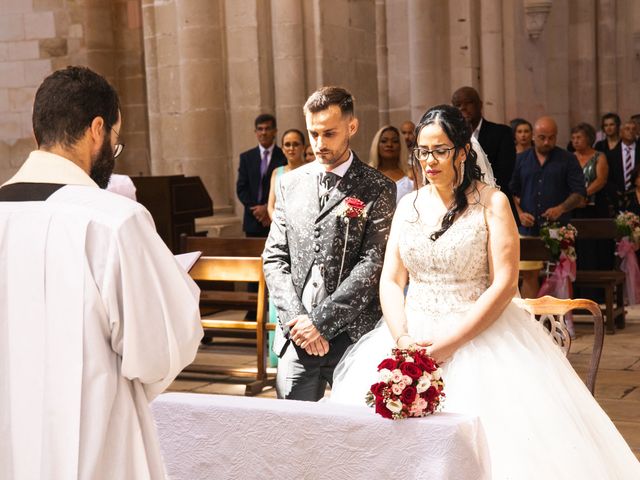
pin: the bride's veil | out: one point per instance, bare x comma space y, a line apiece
483, 163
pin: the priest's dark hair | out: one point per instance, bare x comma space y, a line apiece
457, 129
66, 103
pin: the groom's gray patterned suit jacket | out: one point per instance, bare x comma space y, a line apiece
302, 235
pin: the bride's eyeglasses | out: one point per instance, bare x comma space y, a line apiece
440, 154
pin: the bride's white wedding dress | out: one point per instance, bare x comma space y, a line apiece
540, 419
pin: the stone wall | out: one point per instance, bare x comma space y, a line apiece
40, 36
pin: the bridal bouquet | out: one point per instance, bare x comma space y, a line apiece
628, 226
410, 385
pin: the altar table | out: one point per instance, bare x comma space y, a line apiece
224, 437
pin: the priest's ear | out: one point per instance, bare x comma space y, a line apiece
96, 132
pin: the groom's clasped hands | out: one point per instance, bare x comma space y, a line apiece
305, 335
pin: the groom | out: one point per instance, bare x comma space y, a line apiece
324, 253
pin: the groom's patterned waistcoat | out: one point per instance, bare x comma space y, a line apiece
303, 235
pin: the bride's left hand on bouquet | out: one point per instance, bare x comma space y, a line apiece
439, 350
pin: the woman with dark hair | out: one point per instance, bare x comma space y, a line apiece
631, 200
293, 146
522, 134
389, 155
455, 243
611, 128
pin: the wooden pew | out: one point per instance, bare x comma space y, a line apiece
611, 281
229, 261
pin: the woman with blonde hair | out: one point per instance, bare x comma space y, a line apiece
389, 155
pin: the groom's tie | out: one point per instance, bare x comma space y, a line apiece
328, 180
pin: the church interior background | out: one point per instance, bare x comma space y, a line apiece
193, 74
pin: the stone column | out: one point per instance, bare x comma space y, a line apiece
203, 124
556, 38
344, 35
583, 91
492, 64
606, 51
163, 84
429, 67
383, 67
289, 76
464, 46
131, 84
249, 84
398, 46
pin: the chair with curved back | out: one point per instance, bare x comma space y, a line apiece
550, 312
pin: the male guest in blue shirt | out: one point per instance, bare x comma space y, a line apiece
547, 182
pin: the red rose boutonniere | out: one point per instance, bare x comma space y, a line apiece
353, 208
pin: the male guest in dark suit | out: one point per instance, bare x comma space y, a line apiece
254, 176
622, 160
324, 254
495, 139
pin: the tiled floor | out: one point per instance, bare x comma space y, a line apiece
617, 386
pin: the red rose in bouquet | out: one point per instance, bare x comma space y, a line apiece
388, 363
410, 385
411, 369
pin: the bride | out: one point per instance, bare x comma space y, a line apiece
456, 241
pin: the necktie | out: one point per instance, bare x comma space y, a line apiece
628, 166
328, 180
264, 166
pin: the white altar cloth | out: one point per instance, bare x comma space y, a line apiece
224, 437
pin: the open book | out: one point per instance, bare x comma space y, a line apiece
187, 260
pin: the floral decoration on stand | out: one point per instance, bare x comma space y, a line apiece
410, 385
561, 242
628, 226
351, 208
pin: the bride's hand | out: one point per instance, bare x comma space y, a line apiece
405, 341
439, 350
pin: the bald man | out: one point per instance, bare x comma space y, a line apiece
547, 182
408, 130
496, 139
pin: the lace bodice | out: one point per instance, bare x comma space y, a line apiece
449, 274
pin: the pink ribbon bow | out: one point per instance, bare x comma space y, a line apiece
626, 250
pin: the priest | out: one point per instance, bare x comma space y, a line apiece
96, 316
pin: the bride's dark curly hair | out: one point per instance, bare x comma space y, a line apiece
456, 128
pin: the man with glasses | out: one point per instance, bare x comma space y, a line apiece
254, 176
96, 317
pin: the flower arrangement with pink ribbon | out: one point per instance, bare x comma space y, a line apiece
561, 242
410, 385
628, 226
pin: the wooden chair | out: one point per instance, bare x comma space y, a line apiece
224, 262
216, 296
611, 281
550, 311
239, 269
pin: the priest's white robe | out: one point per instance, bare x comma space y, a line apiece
96, 319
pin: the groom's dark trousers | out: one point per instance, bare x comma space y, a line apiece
305, 239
